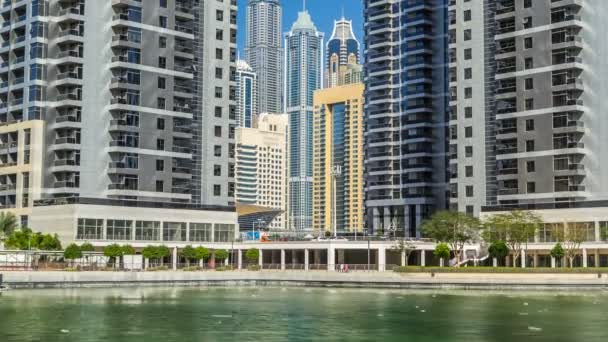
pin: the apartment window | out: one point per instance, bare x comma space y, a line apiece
217, 190
529, 63
162, 42
468, 54
528, 43
218, 92
469, 191
160, 144
468, 92
468, 112
160, 186
529, 83
467, 15
531, 187
468, 132
231, 189
162, 21
218, 131
527, 22
218, 53
160, 165
530, 166
529, 104
162, 62
467, 34
468, 73
163, 3
219, 34
470, 210
219, 15
217, 170
160, 103
162, 83
530, 125
218, 73
468, 171
527, 3
468, 151
160, 123
218, 112
529, 145
217, 151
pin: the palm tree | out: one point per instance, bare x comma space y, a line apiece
8, 223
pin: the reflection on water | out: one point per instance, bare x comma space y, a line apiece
300, 314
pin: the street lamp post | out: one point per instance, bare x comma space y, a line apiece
335, 173
368, 248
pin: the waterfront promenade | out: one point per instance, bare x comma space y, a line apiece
490, 281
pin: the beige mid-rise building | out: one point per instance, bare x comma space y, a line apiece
261, 167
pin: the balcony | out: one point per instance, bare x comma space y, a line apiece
123, 186
67, 140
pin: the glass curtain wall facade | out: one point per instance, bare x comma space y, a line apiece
405, 113
304, 70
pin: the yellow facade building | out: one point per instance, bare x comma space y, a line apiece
338, 146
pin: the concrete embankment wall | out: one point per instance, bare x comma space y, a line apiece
25, 279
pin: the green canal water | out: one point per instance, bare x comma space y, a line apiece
299, 314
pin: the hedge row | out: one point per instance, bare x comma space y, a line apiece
418, 269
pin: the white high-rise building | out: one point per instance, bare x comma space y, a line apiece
124, 103
261, 166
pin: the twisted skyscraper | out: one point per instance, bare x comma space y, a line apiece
264, 52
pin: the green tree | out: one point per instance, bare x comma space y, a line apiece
87, 247
162, 252
221, 254
571, 238
202, 253
156, 253
557, 252
72, 252
8, 224
188, 253
149, 252
19, 239
48, 242
515, 228
114, 252
442, 251
403, 246
499, 250
252, 255
453, 228
127, 250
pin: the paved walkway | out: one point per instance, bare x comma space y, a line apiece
26, 279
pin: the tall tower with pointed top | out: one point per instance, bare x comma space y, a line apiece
303, 75
264, 52
342, 50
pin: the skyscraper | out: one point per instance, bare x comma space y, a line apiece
304, 74
338, 159
342, 50
246, 94
123, 113
264, 52
405, 113
525, 78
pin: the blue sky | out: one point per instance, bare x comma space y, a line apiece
323, 13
